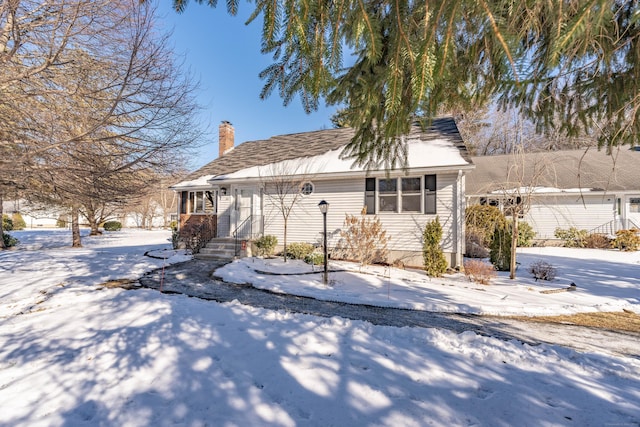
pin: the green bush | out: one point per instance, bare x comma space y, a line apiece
627, 240
9, 241
61, 222
112, 226
525, 234
314, 258
500, 253
299, 250
482, 220
573, 237
7, 223
435, 264
266, 245
18, 221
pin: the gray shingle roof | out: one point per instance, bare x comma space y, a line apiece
306, 144
567, 169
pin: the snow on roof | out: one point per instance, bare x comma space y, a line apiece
543, 190
197, 182
421, 154
319, 151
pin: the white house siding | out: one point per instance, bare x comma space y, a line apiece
588, 212
347, 196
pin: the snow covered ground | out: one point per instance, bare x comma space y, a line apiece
75, 353
606, 281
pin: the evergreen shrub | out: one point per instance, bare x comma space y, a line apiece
435, 263
112, 226
299, 250
500, 253
266, 245
18, 221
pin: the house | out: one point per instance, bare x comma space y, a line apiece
236, 192
586, 188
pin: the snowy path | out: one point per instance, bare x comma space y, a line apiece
193, 278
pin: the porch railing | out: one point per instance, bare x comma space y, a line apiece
608, 228
248, 229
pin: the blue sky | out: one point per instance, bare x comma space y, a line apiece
224, 54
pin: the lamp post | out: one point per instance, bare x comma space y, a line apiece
324, 207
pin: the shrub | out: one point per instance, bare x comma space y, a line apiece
479, 271
314, 258
542, 270
474, 247
18, 221
597, 241
525, 234
61, 222
364, 239
266, 245
573, 237
175, 238
299, 250
482, 220
627, 240
9, 240
500, 253
7, 223
112, 226
435, 264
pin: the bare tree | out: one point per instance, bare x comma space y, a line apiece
283, 185
516, 190
112, 107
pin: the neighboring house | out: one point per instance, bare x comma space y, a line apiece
235, 190
586, 189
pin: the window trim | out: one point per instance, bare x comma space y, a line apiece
428, 195
304, 185
200, 197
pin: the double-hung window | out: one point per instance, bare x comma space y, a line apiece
401, 195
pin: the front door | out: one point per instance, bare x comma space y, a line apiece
243, 211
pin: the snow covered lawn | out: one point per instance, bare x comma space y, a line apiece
76, 354
606, 281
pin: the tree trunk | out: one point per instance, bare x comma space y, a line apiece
1, 223
75, 228
284, 252
514, 246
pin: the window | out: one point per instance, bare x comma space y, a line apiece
201, 202
634, 205
404, 194
410, 194
430, 206
370, 195
306, 188
388, 195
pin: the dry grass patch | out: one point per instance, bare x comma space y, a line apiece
616, 321
120, 283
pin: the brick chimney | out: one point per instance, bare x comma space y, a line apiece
226, 137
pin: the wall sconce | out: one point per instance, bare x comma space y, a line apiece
223, 191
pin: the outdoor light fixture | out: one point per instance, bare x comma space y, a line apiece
324, 207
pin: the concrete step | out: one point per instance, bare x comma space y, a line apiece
218, 249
